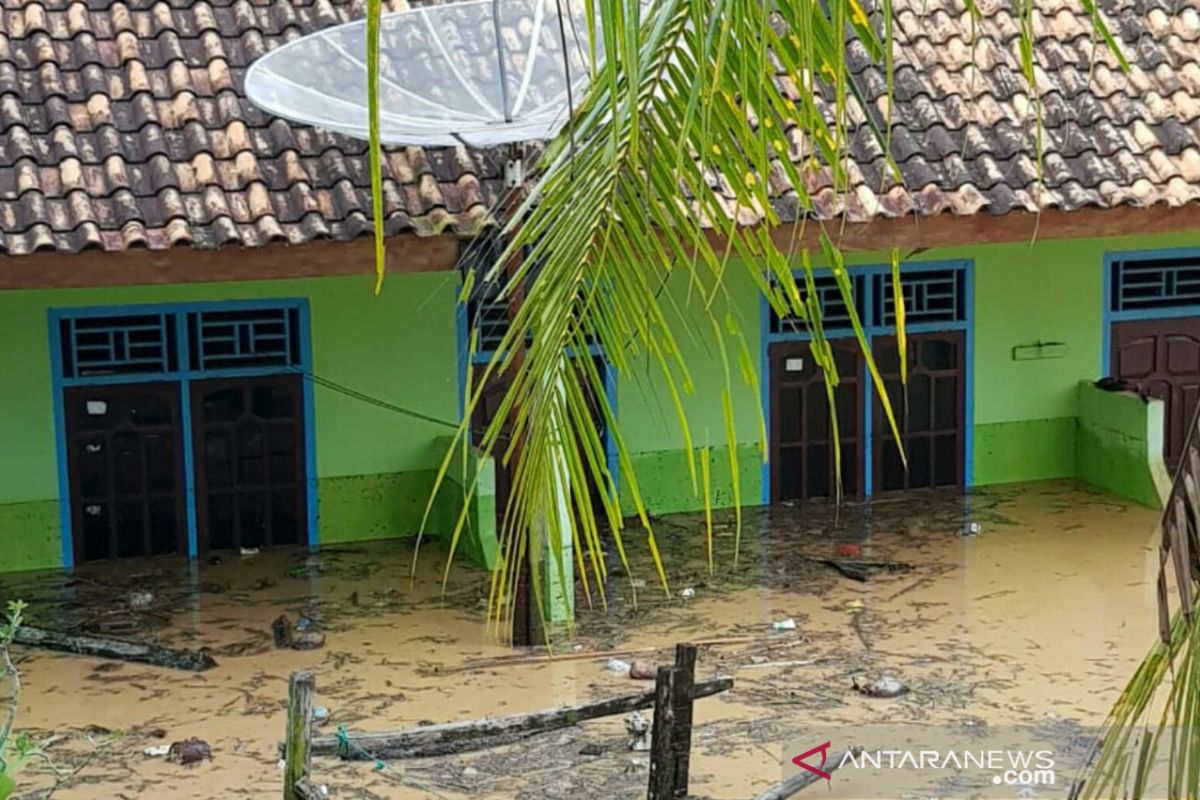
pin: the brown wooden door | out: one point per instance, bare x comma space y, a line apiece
802, 452
930, 412
124, 454
249, 452
1162, 358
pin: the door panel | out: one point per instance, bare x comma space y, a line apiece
250, 471
802, 451
126, 470
930, 412
1162, 358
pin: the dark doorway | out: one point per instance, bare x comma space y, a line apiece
802, 452
930, 412
1162, 357
250, 471
490, 405
126, 470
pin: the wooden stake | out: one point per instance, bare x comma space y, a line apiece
685, 665
297, 751
662, 751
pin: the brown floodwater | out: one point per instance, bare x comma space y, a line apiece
1042, 615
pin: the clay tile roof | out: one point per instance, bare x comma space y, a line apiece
963, 134
123, 124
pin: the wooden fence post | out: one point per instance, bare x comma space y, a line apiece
681, 737
662, 753
297, 752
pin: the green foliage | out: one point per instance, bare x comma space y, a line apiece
15, 750
691, 103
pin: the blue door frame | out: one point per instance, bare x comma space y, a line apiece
867, 273
1176, 302
183, 375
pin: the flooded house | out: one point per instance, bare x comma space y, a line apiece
193, 360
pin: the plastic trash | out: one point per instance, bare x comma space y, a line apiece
788, 624
249, 551
320, 712
157, 751
617, 665
688, 593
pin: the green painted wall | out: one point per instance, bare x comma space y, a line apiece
374, 466
1024, 410
1120, 443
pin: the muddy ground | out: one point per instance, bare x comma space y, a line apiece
1038, 619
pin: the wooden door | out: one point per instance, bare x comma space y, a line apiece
1162, 358
930, 413
124, 454
250, 470
802, 452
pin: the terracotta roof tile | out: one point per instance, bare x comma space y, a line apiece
123, 124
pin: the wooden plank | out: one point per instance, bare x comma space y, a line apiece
662, 738
119, 649
297, 753
685, 664
461, 737
49, 270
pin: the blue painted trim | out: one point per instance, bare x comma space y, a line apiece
189, 459
969, 389
67, 541
310, 424
872, 331
1106, 321
184, 376
610, 442
460, 352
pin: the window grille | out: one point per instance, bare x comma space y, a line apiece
1150, 283
929, 296
129, 344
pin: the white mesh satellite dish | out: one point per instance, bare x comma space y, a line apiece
480, 73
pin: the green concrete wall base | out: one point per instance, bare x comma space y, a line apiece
1119, 440
478, 541
666, 485
30, 536
361, 507
1026, 450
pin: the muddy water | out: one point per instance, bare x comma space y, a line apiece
1040, 616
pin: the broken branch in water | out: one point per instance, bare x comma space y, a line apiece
588, 655
461, 737
786, 788
103, 647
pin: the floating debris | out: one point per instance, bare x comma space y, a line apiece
642, 670
189, 752
638, 728
885, 687
788, 624
617, 665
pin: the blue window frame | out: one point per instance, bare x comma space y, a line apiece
179, 342
1147, 284
939, 296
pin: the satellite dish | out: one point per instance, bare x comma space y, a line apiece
479, 73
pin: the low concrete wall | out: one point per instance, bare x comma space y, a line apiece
1119, 444
477, 541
